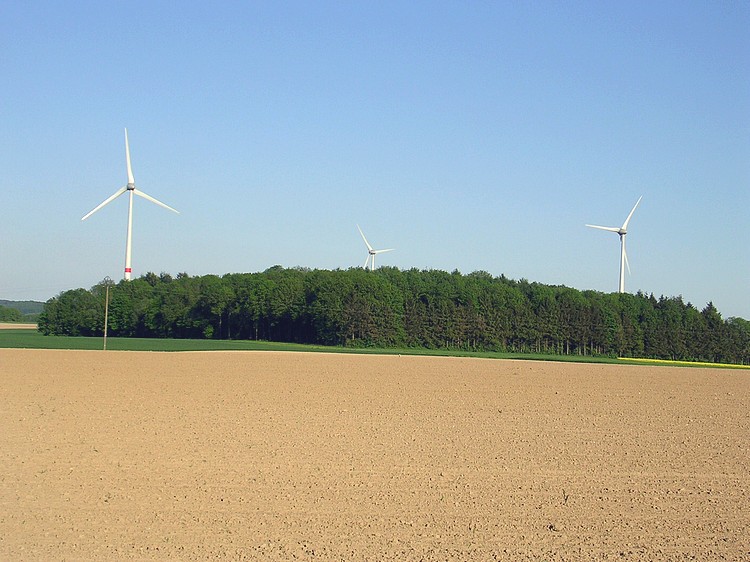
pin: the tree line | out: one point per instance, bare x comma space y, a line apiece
8, 314
402, 308
20, 311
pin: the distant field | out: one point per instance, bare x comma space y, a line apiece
682, 363
14, 337
31, 339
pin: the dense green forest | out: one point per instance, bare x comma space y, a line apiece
402, 308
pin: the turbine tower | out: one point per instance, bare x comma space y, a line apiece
622, 231
131, 190
371, 253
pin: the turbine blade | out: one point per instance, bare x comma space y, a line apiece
365, 239
627, 264
131, 181
608, 228
146, 196
627, 220
109, 199
366, 260
381, 251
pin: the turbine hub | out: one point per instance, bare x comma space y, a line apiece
131, 186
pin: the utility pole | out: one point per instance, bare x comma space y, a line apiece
107, 283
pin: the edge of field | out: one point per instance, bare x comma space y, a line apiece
26, 337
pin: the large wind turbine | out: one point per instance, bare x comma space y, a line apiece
622, 231
132, 190
371, 252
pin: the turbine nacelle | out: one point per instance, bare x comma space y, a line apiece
371, 252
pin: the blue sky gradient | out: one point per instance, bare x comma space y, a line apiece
467, 135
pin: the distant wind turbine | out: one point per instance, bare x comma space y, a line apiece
622, 231
130, 187
371, 253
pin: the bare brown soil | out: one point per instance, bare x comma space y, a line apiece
283, 456
12, 326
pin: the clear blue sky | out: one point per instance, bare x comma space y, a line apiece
467, 135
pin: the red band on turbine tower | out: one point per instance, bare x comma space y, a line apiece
128, 270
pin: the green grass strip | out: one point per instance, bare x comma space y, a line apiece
31, 339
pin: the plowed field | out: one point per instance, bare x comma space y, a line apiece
283, 456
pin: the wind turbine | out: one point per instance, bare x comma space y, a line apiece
131, 190
371, 253
622, 231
